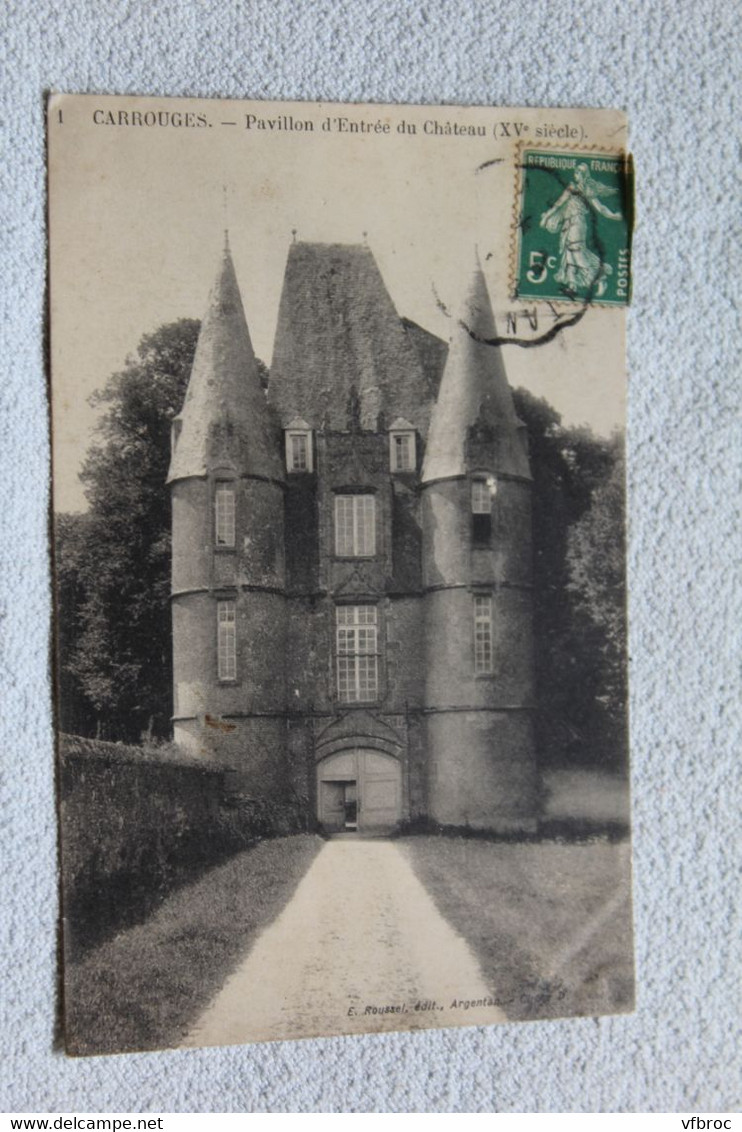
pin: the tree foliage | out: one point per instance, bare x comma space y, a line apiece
113, 563
579, 591
596, 556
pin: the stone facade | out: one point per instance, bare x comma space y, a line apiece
351, 557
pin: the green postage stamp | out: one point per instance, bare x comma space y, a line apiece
573, 240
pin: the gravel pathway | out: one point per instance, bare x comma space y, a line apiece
361, 947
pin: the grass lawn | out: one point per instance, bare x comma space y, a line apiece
550, 922
143, 988
587, 795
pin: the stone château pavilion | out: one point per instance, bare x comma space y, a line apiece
351, 585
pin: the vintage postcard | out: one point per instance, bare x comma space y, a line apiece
338, 439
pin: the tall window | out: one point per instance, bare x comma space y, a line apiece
482, 634
481, 501
226, 640
481, 511
357, 657
224, 514
355, 526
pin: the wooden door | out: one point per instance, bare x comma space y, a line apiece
359, 789
380, 778
332, 805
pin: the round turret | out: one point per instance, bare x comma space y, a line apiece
228, 577
476, 522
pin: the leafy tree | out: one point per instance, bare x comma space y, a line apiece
596, 551
76, 714
576, 671
113, 563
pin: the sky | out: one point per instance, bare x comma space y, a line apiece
137, 216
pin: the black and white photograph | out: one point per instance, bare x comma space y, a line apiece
339, 554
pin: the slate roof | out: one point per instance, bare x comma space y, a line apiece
474, 390
339, 337
225, 420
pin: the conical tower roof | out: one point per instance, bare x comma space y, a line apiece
474, 419
225, 419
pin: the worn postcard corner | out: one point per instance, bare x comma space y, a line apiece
338, 401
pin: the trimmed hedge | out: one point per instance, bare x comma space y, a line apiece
137, 822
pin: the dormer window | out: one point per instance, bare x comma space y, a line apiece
402, 454
299, 457
299, 447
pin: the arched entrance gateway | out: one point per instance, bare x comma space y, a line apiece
359, 790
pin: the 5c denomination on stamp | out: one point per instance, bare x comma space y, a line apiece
573, 227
